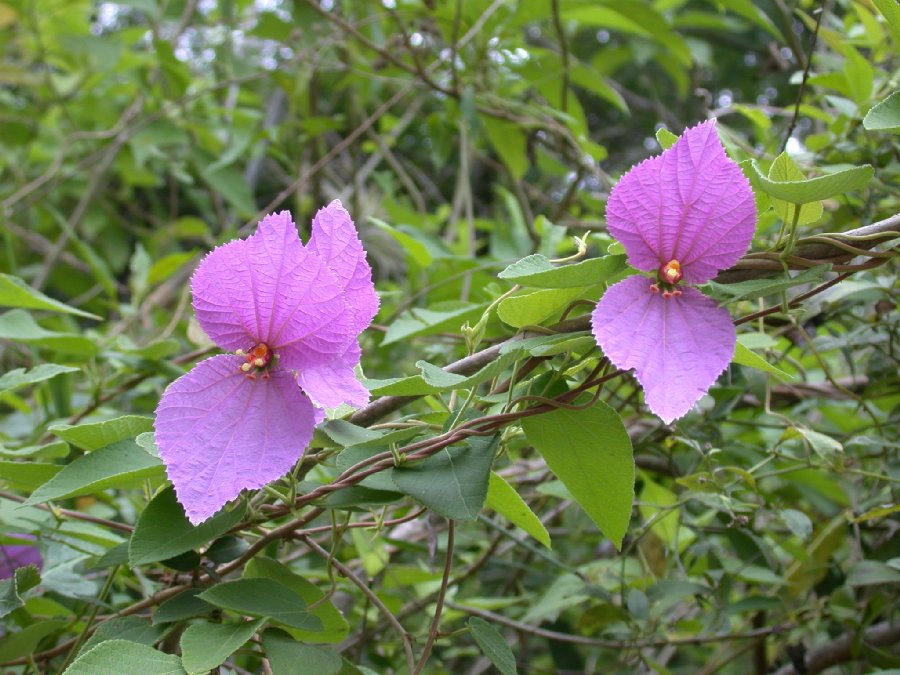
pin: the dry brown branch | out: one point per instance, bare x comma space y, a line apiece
845, 648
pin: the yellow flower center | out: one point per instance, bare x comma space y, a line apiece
670, 273
258, 358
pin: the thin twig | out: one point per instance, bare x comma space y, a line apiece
615, 644
370, 594
564, 53
807, 65
76, 515
439, 604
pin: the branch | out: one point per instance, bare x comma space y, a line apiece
615, 644
746, 268
370, 594
818, 249
439, 605
845, 648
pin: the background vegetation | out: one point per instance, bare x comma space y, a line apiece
463, 135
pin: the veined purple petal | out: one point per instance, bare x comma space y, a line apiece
220, 432
14, 556
332, 384
269, 288
678, 346
334, 238
691, 203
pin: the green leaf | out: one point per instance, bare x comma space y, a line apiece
877, 513
759, 288
205, 646
413, 247
347, 434
120, 465
637, 603
547, 345
19, 378
51, 450
270, 27
784, 169
589, 79
859, 73
229, 182
748, 10
263, 598
23, 642
745, 357
23, 579
872, 573
94, 435
441, 380
286, 655
183, 606
531, 309
884, 116
131, 628
665, 138
635, 18
537, 271
891, 12
508, 139
814, 189
150, 7
166, 266
16, 517
163, 531
509, 235
16, 293
418, 322
493, 645
564, 344
334, 625
227, 548
823, 445
798, 523
17, 325
452, 482
400, 386
600, 16
115, 657
656, 507
27, 475
590, 452
503, 498
153, 351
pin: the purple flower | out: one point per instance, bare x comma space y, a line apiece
14, 556
684, 216
291, 315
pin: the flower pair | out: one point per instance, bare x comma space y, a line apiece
683, 216
291, 315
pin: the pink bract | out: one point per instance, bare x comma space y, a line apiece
691, 204
292, 315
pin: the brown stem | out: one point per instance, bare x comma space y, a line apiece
439, 606
371, 595
615, 644
845, 648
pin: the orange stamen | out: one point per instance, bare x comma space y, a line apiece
670, 273
257, 358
